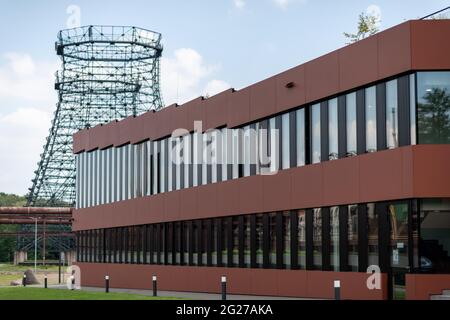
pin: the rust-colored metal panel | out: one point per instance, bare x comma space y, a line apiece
188, 203
358, 63
125, 128
149, 130
431, 171
430, 45
164, 121
251, 194
322, 77
239, 108
80, 141
307, 186
422, 286
179, 119
216, 112
137, 130
291, 89
381, 175
292, 283
238, 281
206, 200
109, 135
228, 198
195, 112
341, 181
94, 137
143, 211
263, 98
277, 191
172, 206
394, 50
264, 282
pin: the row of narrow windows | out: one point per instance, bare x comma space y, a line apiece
383, 116
344, 238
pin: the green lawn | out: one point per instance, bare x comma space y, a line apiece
7, 267
21, 293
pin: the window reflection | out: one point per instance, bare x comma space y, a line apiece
433, 93
352, 237
391, 114
286, 239
317, 238
302, 239
334, 237
351, 123
315, 133
371, 119
333, 129
300, 117
372, 234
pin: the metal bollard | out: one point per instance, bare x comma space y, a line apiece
24, 280
224, 287
155, 286
106, 284
337, 290
45, 282
72, 282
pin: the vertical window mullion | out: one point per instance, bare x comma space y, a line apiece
326, 239
381, 116
361, 121
342, 127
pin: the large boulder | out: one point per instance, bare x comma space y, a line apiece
31, 278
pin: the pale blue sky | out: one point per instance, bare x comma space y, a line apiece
208, 46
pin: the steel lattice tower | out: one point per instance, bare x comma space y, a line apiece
108, 73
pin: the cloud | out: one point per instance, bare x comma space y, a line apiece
239, 4
27, 100
185, 76
375, 11
283, 4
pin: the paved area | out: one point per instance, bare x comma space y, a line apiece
186, 295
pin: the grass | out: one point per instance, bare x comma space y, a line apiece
6, 267
5, 279
21, 293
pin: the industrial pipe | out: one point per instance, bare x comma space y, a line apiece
27, 221
35, 210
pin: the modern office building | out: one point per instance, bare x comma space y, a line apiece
329, 171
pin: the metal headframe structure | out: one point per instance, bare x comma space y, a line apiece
108, 73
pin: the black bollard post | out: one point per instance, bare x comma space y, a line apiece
224, 287
337, 290
155, 286
45, 282
24, 280
106, 284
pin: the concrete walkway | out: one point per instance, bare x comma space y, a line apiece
185, 295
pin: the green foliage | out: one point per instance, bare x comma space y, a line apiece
434, 117
11, 200
8, 244
367, 26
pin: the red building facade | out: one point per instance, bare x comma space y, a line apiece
357, 177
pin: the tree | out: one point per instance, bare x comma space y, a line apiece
434, 117
367, 26
8, 244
